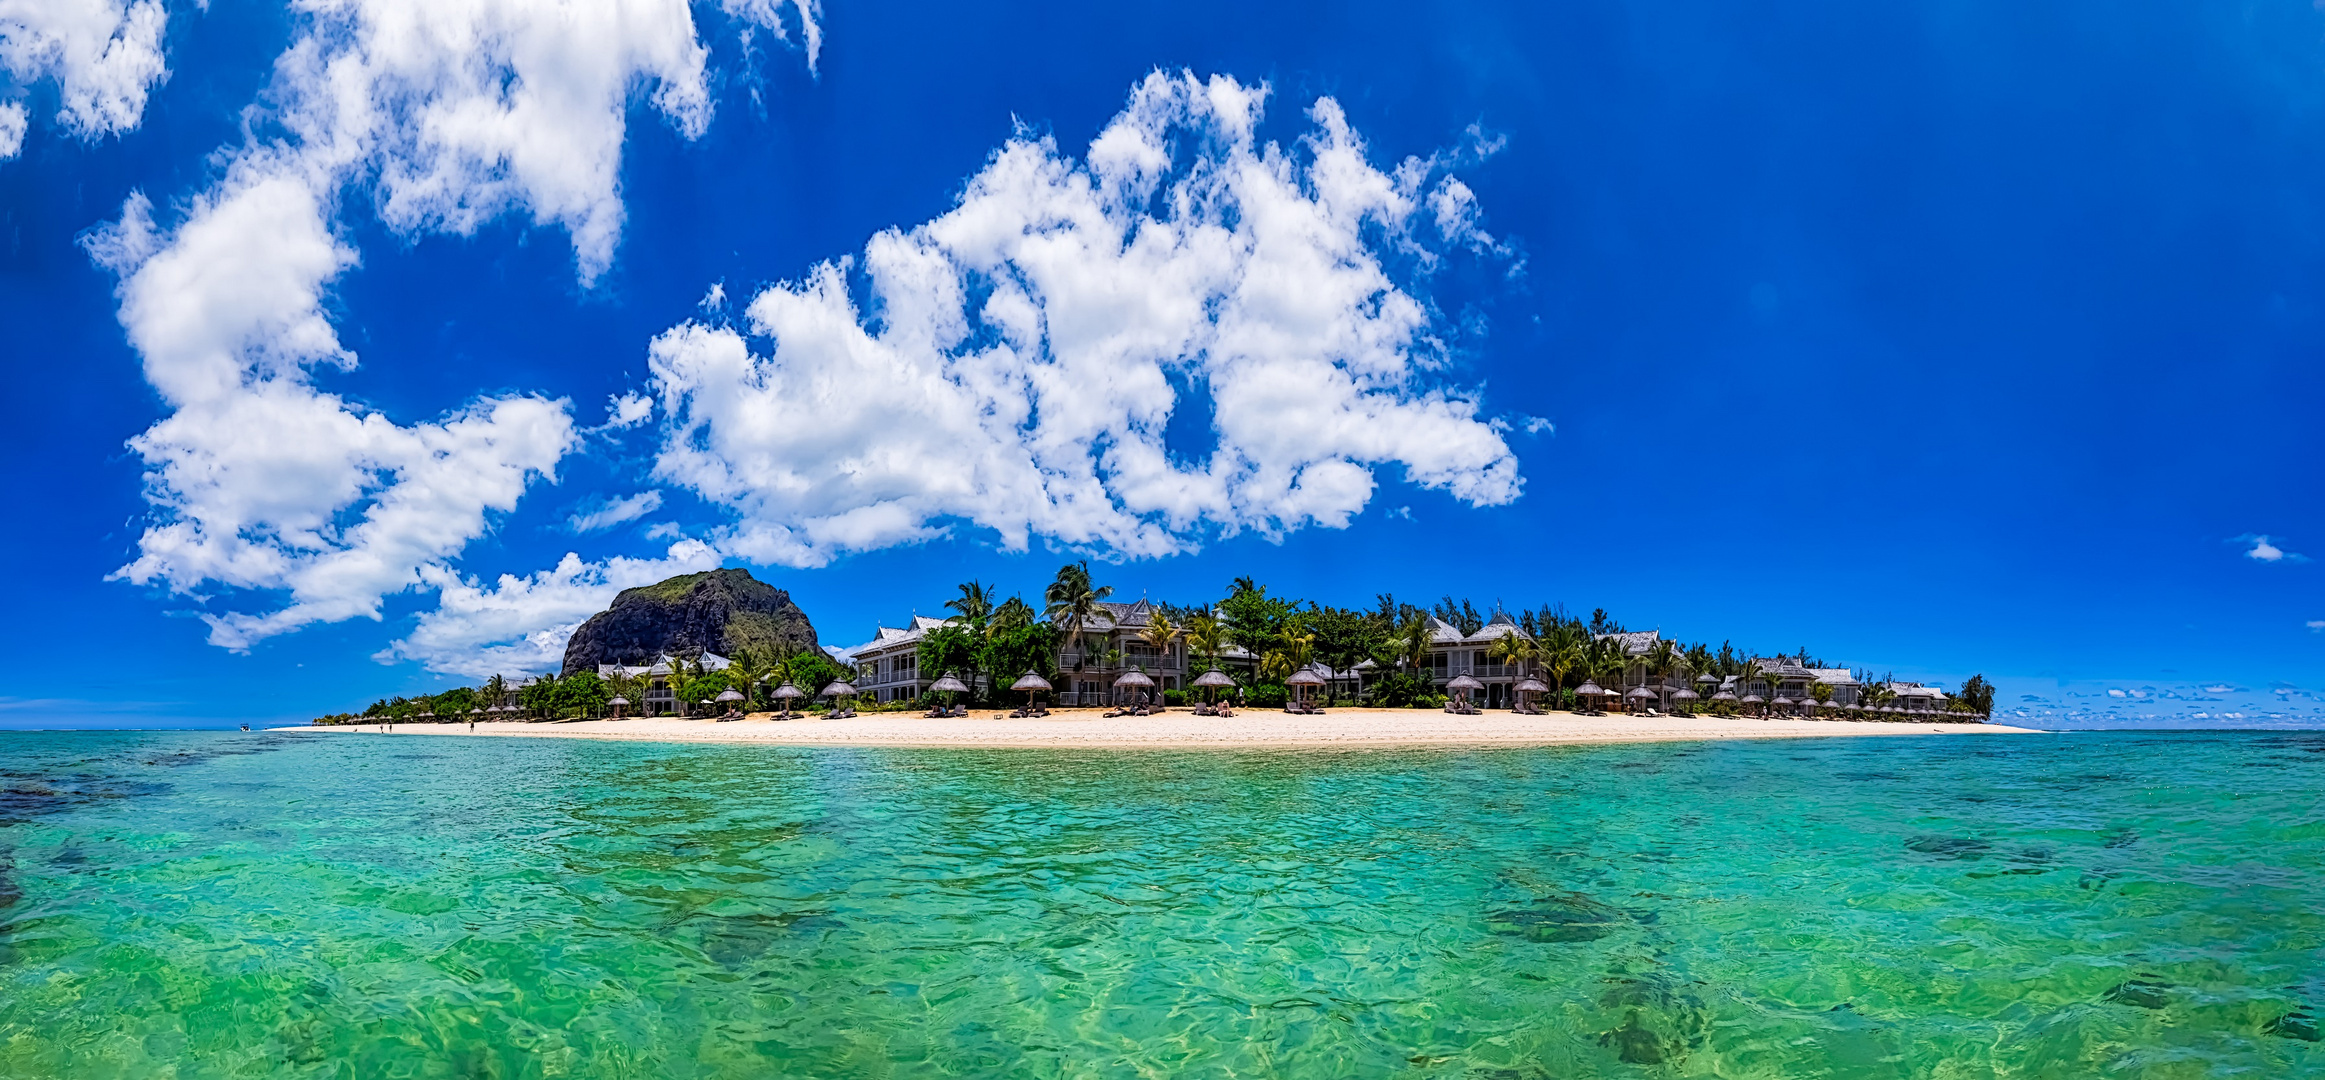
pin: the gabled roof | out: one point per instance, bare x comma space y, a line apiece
708, 660
890, 638
1635, 642
1112, 615
1833, 676
1444, 633
1500, 628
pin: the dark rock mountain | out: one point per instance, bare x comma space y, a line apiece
723, 611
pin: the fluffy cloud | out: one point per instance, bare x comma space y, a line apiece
13, 122
519, 624
1021, 356
2266, 550
446, 113
607, 513
103, 56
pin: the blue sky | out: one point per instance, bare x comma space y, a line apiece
1933, 337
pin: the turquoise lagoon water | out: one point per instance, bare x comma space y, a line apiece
226, 904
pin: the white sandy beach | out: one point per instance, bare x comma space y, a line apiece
1350, 728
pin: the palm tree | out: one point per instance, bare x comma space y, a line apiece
678, 683
1072, 601
1515, 648
973, 608
628, 687
1299, 650
1663, 658
1612, 661
1565, 653
1206, 637
750, 666
1011, 615
1413, 641
1158, 633
1768, 673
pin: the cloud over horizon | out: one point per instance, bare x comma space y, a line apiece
447, 114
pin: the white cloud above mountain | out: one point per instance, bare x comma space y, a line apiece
519, 623
444, 114
1018, 359
104, 58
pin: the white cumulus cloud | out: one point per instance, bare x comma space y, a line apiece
519, 624
13, 123
444, 114
1020, 356
628, 411
104, 57
2264, 549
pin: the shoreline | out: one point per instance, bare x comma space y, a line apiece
1348, 728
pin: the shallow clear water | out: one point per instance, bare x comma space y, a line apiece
2122, 905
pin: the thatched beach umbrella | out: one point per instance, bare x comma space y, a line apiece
729, 695
616, 705
1463, 685
948, 685
1133, 680
838, 689
787, 693
1306, 677
1640, 693
1589, 689
1724, 695
1529, 685
1031, 684
1212, 680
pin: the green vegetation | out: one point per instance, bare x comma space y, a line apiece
1259, 638
987, 645
755, 673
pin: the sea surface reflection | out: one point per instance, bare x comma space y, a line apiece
229, 904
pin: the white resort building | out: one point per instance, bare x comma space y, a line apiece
888, 666
1453, 654
661, 691
1111, 643
1114, 642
